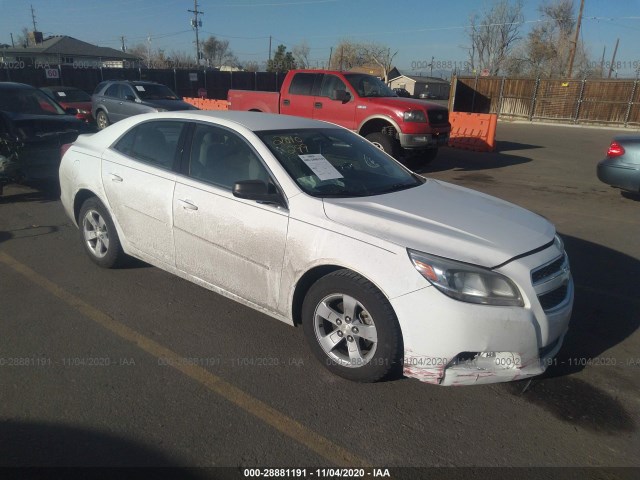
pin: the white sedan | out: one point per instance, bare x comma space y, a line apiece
387, 272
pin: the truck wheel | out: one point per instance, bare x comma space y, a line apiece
386, 143
351, 328
421, 158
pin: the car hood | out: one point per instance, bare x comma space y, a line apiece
169, 104
446, 220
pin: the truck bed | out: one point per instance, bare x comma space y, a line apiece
268, 102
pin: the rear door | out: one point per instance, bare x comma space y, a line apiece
139, 179
299, 98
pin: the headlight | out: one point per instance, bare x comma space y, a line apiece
415, 116
465, 282
557, 241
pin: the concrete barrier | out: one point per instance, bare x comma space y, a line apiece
207, 104
473, 131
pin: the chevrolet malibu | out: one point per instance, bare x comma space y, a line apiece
386, 271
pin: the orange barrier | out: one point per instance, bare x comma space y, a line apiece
473, 131
207, 104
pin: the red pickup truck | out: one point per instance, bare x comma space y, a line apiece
408, 129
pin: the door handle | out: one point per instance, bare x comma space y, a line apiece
116, 178
318, 104
286, 102
188, 204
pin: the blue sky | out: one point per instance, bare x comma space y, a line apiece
417, 30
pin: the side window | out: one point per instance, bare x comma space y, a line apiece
154, 143
221, 157
302, 84
112, 91
331, 84
126, 90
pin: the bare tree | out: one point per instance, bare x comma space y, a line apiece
218, 53
301, 54
493, 35
251, 66
349, 54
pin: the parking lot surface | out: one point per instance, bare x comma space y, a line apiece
136, 367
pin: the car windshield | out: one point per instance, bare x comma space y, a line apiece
155, 92
337, 163
28, 101
369, 86
71, 96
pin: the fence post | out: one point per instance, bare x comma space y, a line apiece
175, 80
579, 104
500, 98
630, 104
473, 99
534, 98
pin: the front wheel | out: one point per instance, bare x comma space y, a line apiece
351, 327
386, 143
102, 120
98, 234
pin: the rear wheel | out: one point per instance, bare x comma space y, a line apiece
351, 327
386, 143
98, 234
102, 120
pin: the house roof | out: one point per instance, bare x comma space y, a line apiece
422, 79
64, 45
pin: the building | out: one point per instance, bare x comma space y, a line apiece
64, 50
429, 87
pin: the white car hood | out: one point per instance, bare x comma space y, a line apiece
446, 220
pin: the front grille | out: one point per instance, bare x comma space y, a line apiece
553, 298
438, 116
546, 271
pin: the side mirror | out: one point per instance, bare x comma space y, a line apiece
257, 190
340, 95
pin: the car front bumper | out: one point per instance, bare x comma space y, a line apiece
449, 342
423, 140
617, 174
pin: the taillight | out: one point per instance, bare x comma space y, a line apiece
615, 150
64, 148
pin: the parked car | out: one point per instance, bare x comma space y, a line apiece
117, 99
32, 129
72, 97
402, 92
621, 167
310, 223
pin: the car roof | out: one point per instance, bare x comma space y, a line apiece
59, 88
255, 121
14, 85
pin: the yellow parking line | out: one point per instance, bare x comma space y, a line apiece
284, 424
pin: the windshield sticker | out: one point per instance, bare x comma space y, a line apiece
62, 94
320, 166
140, 88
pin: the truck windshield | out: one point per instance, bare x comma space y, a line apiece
337, 163
368, 85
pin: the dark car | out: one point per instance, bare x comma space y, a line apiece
72, 97
402, 92
33, 127
117, 99
621, 168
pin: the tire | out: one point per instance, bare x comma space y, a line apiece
102, 121
364, 348
421, 158
386, 143
99, 236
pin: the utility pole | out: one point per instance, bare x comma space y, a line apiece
33, 19
196, 24
12, 44
575, 41
269, 47
124, 48
613, 60
330, 54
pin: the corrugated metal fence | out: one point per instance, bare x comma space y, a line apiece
588, 101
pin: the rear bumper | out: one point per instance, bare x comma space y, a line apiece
617, 174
